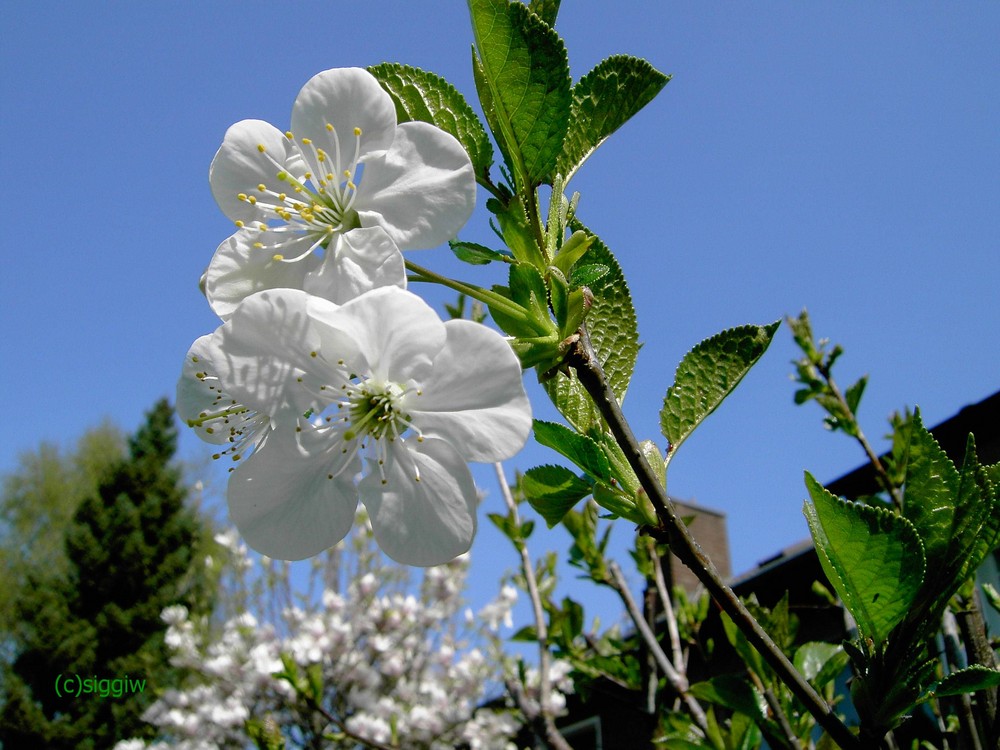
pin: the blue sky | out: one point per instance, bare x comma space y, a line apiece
841, 157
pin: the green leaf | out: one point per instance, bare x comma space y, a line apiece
545, 10
425, 97
619, 503
931, 488
706, 375
588, 274
811, 658
873, 558
733, 692
604, 100
954, 514
477, 255
968, 680
579, 449
611, 323
553, 491
524, 82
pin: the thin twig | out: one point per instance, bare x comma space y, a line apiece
873, 458
551, 733
668, 608
583, 359
342, 728
677, 680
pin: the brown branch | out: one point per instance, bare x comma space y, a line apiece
583, 359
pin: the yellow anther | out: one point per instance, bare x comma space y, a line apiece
262, 187
259, 245
260, 147
281, 196
351, 185
307, 141
307, 176
253, 200
347, 174
357, 131
289, 135
194, 358
240, 224
312, 354
329, 128
262, 227
242, 196
277, 257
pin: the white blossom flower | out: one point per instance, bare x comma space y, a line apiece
385, 379
347, 181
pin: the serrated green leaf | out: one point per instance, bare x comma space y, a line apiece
611, 323
993, 475
588, 274
873, 558
580, 449
477, 255
426, 97
545, 9
553, 491
706, 375
525, 71
952, 512
968, 680
931, 488
604, 100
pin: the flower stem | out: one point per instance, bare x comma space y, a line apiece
583, 359
487, 297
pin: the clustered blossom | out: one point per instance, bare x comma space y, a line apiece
388, 659
328, 382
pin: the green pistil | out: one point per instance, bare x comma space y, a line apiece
372, 413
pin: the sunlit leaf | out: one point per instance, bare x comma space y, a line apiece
611, 322
706, 375
873, 558
553, 491
525, 72
604, 100
425, 97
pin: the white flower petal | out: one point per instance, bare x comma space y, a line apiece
240, 166
200, 395
346, 98
356, 262
422, 191
263, 355
285, 505
426, 522
398, 333
240, 269
474, 398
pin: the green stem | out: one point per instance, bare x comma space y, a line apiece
491, 188
494, 300
583, 359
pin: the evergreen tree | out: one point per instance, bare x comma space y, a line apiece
131, 550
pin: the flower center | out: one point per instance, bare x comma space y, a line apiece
318, 203
373, 409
